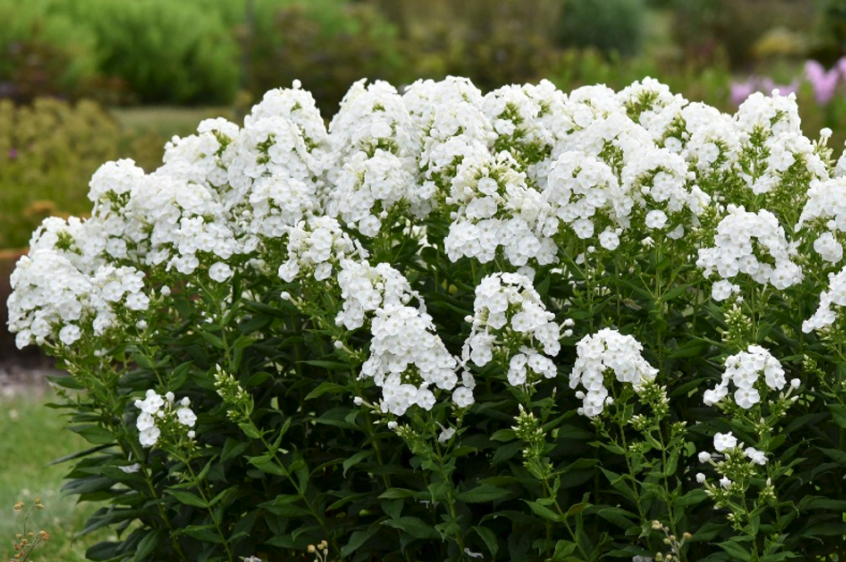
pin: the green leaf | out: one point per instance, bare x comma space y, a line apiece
249, 430
483, 494
414, 527
838, 414
187, 498
326, 387
205, 533
103, 551
357, 540
836, 455
543, 511
94, 434
233, 448
148, 544
490, 539
504, 435
398, 493
355, 459
328, 365
618, 516
73, 456
693, 497
214, 340
737, 551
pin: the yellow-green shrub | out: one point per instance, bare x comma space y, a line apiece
48, 152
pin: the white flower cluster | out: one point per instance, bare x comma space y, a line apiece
603, 353
747, 371
582, 191
406, 358
724, 443
741, 238
510, 319
54, 301
315, 247
496, 208
158, 412
365, 288
826, 210
374, 159
831, 303
769, 129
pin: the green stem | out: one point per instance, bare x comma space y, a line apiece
206, 500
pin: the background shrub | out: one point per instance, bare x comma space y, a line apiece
42, 53
608, 25
166, 52
44, 174
326, 44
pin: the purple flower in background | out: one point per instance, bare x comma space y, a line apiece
742, 90
768, 87
824, 82
13, 153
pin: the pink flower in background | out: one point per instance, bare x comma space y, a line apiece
768, 87
742, 90
823, 81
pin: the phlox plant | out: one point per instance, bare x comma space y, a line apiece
523, 325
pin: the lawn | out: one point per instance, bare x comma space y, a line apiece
32, 435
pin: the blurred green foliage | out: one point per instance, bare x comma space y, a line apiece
41, 53
608, 25
703, 28
327, 49
48, 151
165, 51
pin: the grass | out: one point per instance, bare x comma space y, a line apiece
167, 121
32, 435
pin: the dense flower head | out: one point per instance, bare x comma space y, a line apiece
315, 248
406, 358
747, 243
54, 301
496, 208
831, 304
597, 355
583, 193
366, 288
510, 321
825, 213
749, 372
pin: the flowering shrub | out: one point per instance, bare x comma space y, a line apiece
526, 325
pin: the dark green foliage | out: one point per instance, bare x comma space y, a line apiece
166, 52
608, 25
327, 46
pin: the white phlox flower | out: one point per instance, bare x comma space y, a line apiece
315, 247
724, 441
508, 308
583, 193
53, 300
407, 359
607, 353
496, 208
750, 372
158, 413
366, 288
831, 305
741, 237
